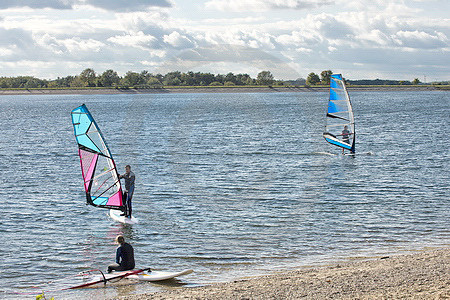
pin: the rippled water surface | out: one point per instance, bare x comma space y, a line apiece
229, 185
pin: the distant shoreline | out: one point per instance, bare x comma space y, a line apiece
207, 89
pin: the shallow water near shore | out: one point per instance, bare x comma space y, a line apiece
229, 185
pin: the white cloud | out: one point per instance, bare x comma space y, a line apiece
128, 5
222, 54
55, 4
303, 50
149, 63
113, 5
138, 40
73, 45
98, 34
421, 40
300, 39
375, 37
8, 51
263, 5
176, 40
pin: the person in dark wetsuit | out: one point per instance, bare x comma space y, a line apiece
124, 256
129, 189
345, 136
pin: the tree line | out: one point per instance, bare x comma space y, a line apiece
324, 79
144, 79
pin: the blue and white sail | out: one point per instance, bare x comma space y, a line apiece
340, 124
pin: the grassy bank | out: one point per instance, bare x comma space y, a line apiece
211, 89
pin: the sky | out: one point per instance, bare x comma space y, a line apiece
362, 39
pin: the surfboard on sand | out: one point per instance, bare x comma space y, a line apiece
116, 216
159, 275
96, 278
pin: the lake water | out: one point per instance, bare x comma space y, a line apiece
229, 185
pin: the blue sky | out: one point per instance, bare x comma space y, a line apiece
397, 39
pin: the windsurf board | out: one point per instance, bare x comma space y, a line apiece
116, 216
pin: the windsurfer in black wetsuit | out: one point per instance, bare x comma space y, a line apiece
124, 256
346, 136
129, 189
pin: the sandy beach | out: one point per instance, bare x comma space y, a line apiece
421, 275
233, 89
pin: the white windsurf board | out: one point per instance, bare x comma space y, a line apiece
152, 275
159, 275
116, 216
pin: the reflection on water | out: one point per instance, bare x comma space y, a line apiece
227, 184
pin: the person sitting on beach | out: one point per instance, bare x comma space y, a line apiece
124, 256
129, 189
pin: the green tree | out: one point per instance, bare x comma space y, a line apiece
33, 82
220, 78
416, 81
62, 82
325, 76
243, 79
132, 79
77, 82
109, 78
172, 78
230, 77
187, 79
206, 78
153, 81
264, 78
88, 77
312, 79
249, 81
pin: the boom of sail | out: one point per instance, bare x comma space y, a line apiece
100, 176
340, 124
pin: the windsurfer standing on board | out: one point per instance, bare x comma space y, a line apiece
346, 136
124, 256
129, 189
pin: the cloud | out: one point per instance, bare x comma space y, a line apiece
263, 5
421, 40
15, 36
333, 28
129, 36
19, 41
176, 40
138, 40
72, 45
127, 5
243, 56
37, 4
374, 37
112, 5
